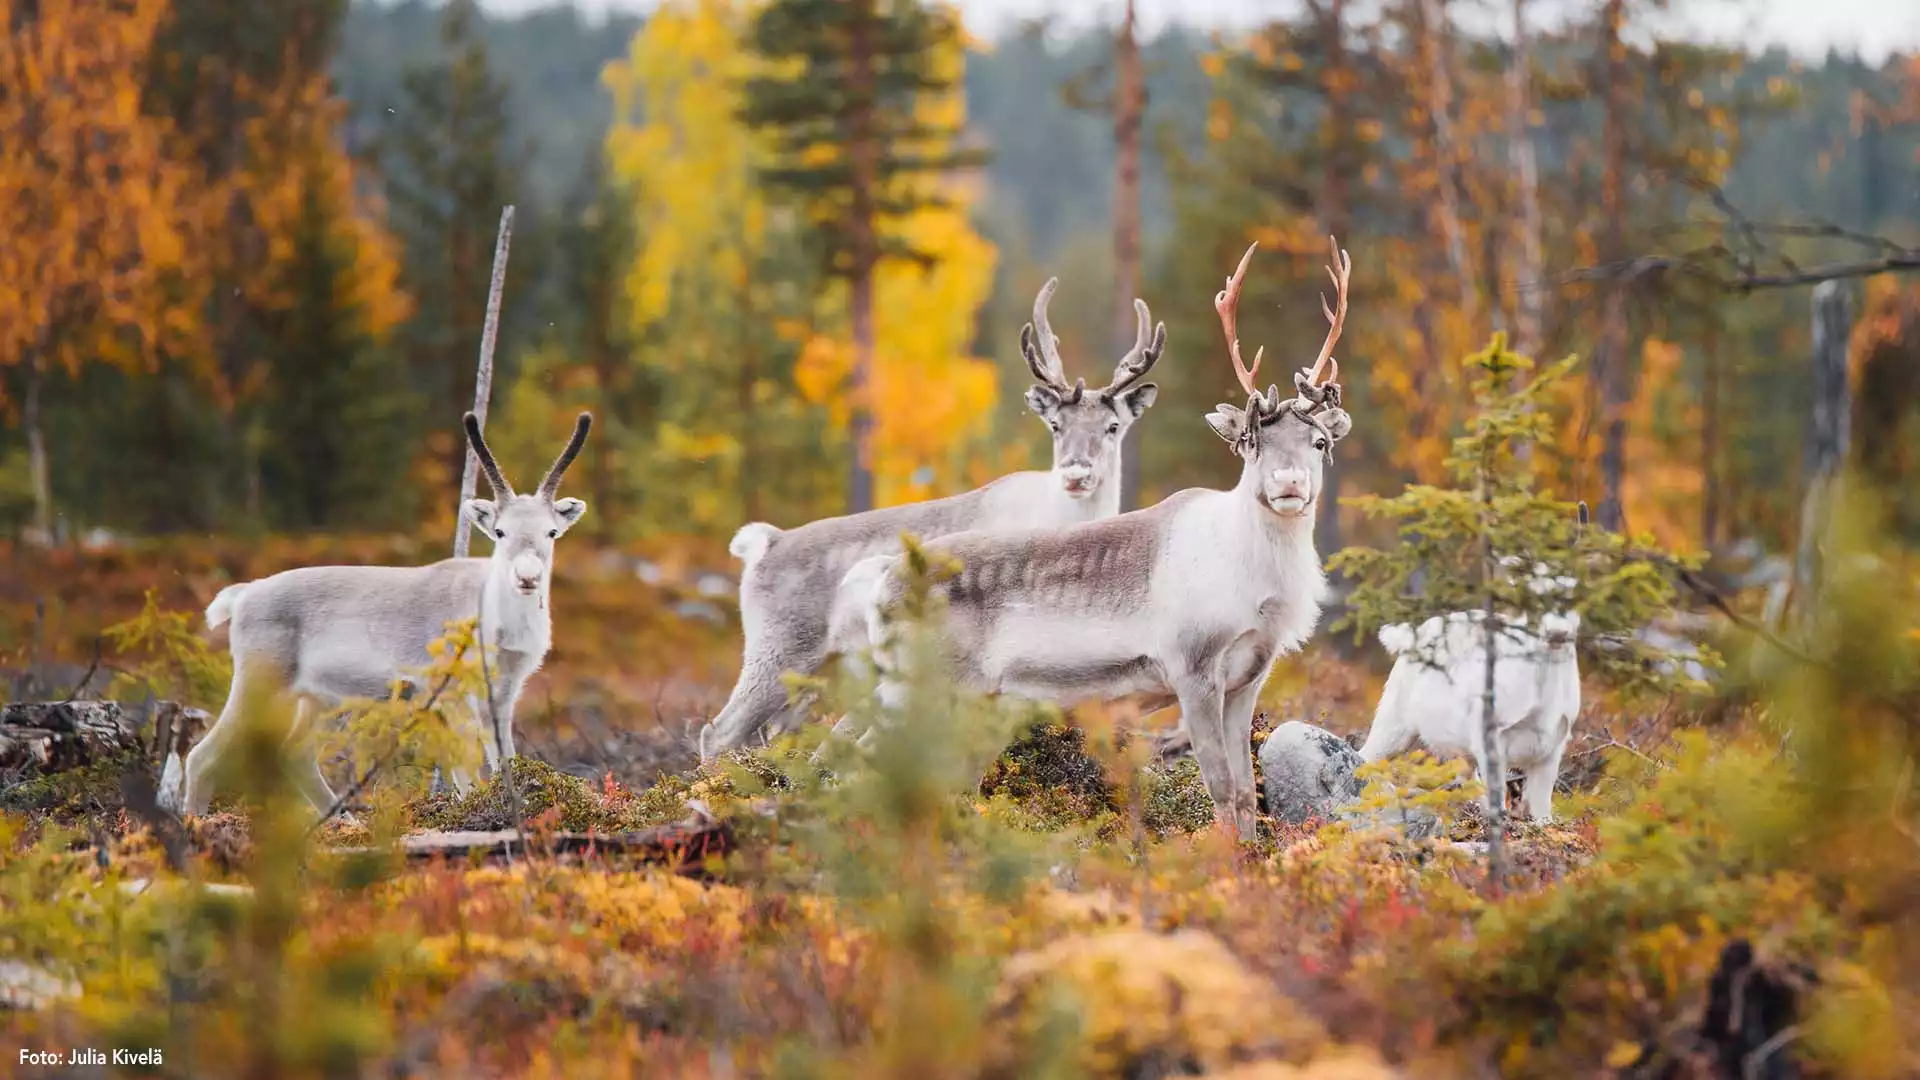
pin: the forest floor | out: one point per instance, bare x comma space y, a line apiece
1071, 914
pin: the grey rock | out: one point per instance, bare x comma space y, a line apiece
1308, 771
1309, 774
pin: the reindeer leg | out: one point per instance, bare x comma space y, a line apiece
305, 760
1239, 746
1202, 713
758, 698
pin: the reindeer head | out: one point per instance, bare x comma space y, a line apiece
524, 527
1087, 428
1286, 443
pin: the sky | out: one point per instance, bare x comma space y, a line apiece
1872, 28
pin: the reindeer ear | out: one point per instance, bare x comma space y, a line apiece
1043, 400
1139, 399
1337, 423
1227, 422
570, 510
481, 513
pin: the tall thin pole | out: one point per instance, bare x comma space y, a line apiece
483, 382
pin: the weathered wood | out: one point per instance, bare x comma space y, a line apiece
683, 847
1827, 437
40, 737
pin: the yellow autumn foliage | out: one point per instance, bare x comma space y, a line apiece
930, 397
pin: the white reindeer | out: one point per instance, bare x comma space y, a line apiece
1191, 600
788, 586
318, 635
1436, 691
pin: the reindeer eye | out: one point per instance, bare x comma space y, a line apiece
1054, 426
1113, 429
553, 534
499, 534
1320, 443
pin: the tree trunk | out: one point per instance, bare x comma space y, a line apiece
863, 156
1710, 441
1528, 304
1493, 752
1826, 452
1610, 357
483, 381
1436, 47
1129, 106
38, 473
1336, 213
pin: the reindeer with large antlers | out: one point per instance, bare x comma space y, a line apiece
1190, 601
788, 586
316, 636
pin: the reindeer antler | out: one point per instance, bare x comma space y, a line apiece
1044, 361
1325, 368
550, 483
1145, 352
1227, 303
501, 489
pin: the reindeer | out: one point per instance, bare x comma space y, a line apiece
1436, 690
1189, 601
321, 634
788, 585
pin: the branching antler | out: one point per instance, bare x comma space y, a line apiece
1042, 349
1227, 303
1145, 352
1325, 368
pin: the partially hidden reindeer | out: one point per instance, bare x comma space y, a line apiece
1189, 601
318, 635
1436, 691
789, 582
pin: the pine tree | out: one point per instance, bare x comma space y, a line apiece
841, 102
445, 159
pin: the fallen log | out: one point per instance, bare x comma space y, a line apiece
683, 848
43, 737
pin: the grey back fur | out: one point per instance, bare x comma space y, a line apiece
791, 578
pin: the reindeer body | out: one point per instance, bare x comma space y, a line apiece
1194, 598
315, 636
791, 578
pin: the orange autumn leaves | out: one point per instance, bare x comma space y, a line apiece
114, 226
93, 199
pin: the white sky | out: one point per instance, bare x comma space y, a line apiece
1873, 28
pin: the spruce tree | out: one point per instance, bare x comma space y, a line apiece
846, 77
444, 154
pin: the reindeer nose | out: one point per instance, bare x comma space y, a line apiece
527, 572
1288, 484
1077, 476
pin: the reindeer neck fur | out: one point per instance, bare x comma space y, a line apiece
1232, 548
1035, 498
514, 622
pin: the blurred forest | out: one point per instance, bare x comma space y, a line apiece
288, 328
245, 254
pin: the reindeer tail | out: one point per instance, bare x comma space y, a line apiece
752, 541
221, 609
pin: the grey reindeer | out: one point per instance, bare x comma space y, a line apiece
791, 575
315, 636
1189, 601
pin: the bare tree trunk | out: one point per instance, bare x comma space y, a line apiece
1826, 454
1493, 752
1710, 442
1610, 357
38, 472
1336, 213
1435, 44
1527, 319
1129, 106
863, 156
483, 380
